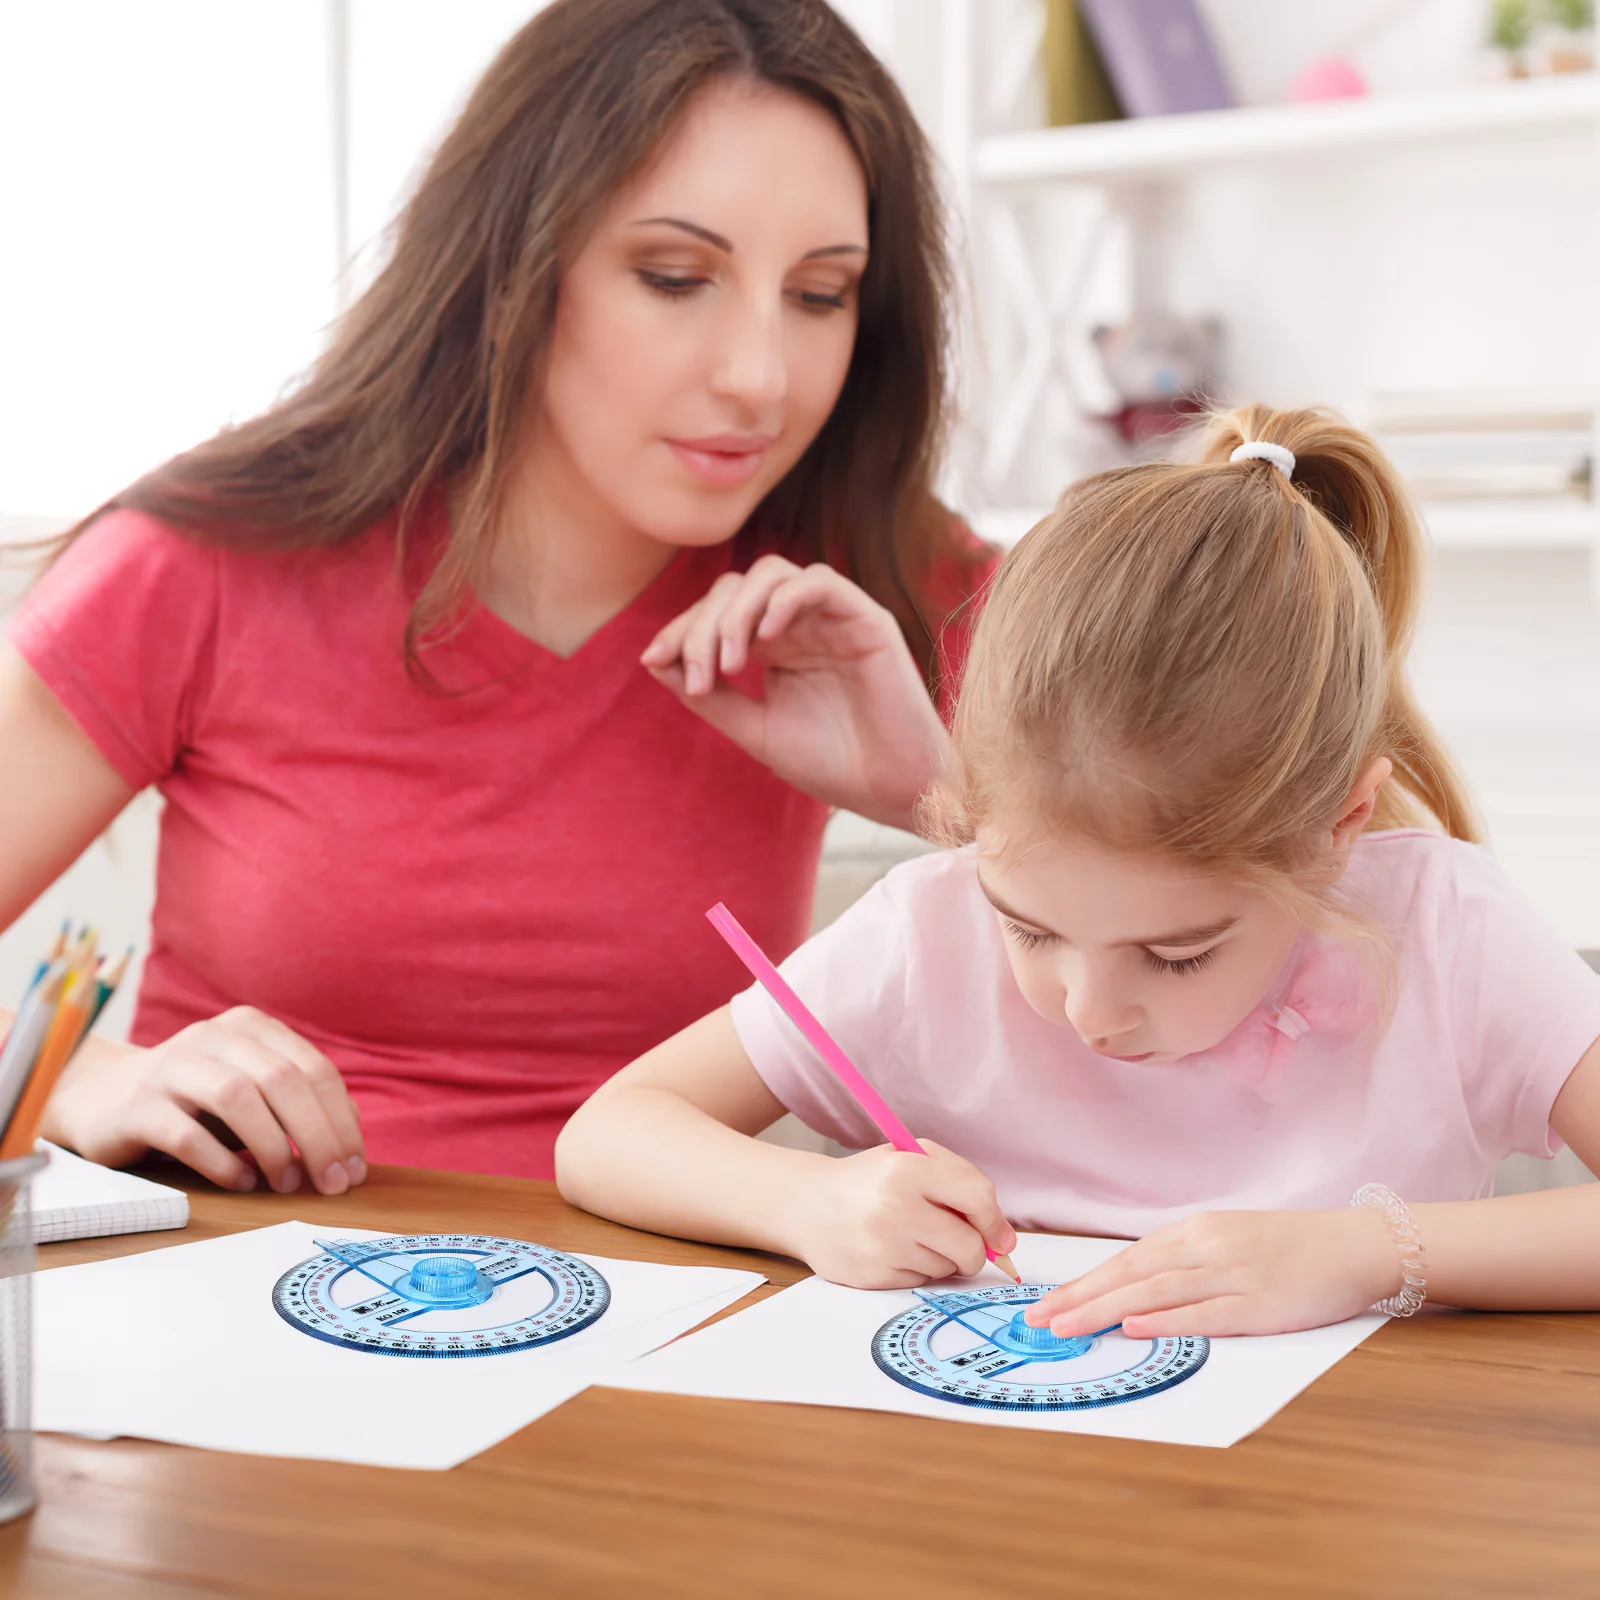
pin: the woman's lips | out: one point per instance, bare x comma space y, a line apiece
724, 462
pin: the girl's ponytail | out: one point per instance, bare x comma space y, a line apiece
1343, 475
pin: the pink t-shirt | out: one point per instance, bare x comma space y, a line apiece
479, 904
1491, 1014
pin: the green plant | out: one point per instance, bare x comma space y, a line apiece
1577, 16
1510, 25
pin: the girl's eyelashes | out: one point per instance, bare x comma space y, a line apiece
1028, 938
1195, 963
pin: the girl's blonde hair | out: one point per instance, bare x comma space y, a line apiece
1201, 658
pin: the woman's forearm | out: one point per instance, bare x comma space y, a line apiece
1524, 1252
646, 1157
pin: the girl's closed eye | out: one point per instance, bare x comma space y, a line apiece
1028, 938
1182, 964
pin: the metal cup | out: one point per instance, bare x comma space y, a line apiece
18, 1491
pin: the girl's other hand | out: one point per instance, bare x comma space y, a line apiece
283, 1098
845, 715
1227, 1272
889, 1219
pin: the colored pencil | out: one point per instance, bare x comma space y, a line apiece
66, 1029
868, 1098
28, 1030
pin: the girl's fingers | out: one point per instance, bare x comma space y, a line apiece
953, 1238
1128, 1266
931, 1265
956, 1183
1216, 1318
1162, 1292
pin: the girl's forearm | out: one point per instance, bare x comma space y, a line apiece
1524, 1252
646, 1157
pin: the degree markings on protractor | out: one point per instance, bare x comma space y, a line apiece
473, 1295
960, 1346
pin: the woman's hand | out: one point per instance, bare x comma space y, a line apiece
889, 1219
1223, 1272
846, 716
283, 1098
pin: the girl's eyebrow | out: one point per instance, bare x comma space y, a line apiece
1211, 930
1183, 936
718, 242
1006, 911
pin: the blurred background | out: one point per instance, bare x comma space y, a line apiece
1390, 206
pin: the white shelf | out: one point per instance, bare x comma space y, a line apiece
1452, 525
1161, 146
1512, 525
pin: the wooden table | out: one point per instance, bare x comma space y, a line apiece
1455, 1455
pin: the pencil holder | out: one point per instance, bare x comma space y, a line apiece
17, 1489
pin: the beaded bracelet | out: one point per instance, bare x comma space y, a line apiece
1413, 1264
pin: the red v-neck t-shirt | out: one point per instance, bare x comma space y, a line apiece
479, 903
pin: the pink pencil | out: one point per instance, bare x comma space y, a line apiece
868, 1098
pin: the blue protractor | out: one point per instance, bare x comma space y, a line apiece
972, 1348
440, 1295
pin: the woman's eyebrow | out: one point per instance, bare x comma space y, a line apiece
718, 242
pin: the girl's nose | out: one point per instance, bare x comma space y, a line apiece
1097, 1014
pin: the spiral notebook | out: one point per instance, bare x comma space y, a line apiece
75, 1199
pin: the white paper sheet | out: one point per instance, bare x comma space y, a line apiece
184, 1345
811, 1345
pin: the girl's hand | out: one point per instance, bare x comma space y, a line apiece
889, 1219
283, 1098
1223, 1272
846, 716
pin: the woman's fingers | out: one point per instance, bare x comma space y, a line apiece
268, 1100
324, 1079
168, 1128
702, 642
748, 607
208, 1080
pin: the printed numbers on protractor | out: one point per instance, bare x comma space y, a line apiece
440, 1295
971, 1347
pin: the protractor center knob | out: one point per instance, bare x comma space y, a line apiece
1028, 1337
443, 1278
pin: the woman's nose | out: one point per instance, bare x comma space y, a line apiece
751, 366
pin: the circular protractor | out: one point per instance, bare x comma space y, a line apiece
970, 1347
440, 1295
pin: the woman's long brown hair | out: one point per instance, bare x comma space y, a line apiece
429, 374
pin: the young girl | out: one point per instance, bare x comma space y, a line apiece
1193, 978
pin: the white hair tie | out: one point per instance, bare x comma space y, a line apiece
1259, 450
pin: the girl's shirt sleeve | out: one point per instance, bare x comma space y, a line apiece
852, 978
1524, 1006
122, 629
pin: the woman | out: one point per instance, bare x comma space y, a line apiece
591, 564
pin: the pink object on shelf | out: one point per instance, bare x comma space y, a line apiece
1330, 78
